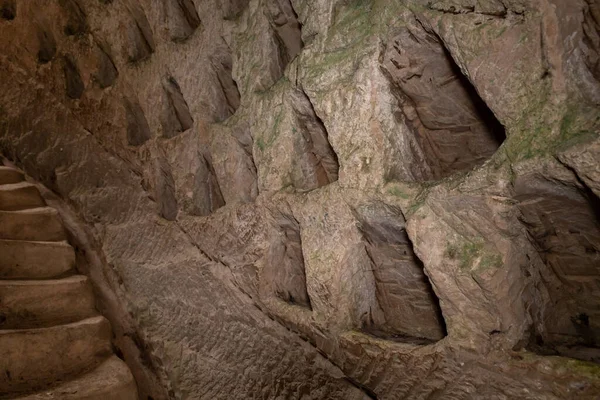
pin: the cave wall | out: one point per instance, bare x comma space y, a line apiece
327, 199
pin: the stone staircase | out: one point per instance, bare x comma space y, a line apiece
53, 342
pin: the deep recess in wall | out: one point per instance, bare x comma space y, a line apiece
228, 100
316, 161
453, 126
285, 35
183, 19
165, 189
76, 19
591, 39
233, 8
287, 30
284, 271
47, 44
73, 82
177, 117
206, 197
139, 35
410, 307
316, 289
107, 72
8, 9
138, 130
564, 223
248, 190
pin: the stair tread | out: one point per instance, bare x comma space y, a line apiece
41, 303
22, 259
110, 380
32, 359
53, 342
42, 282
20, 196
15, 185
88, 321
61, 243
33, 224
10, 175
35, 210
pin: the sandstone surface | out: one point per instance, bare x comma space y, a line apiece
322, 199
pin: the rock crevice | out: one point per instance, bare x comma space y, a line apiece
410, 307
452, 124
183, 19
320, 199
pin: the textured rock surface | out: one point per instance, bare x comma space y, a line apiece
453, 126
319, 199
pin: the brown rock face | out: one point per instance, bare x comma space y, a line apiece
107, 72
8, 9
305, 199
316, 163
452, 124
183, 19
138, 131
591, 42
284, 269
76, 23
47, 45
233, 8
165, 190
178, 118
207, 195
286, 29
73, 80
563, 221
139, 33
228, 96
409, 306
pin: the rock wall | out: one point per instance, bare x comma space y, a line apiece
319, 199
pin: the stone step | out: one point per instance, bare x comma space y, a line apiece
10, 175
35, 260
32, 359
35, 224
37, 304
111, 380
20, 196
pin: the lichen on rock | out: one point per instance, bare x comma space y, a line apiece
318, 199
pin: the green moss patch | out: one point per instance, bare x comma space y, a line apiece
473, 256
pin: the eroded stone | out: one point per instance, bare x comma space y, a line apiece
207, 195
273, 98
139, 34
138, 131
228, 93
563, 219
233, 8
76, 19
284, 269
452, 124
47, 45
74, 84
409, 305
107, 72
8, 9
183, 19
165, 190
177, 117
